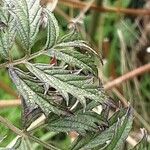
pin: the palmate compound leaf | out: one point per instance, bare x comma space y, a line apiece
33, 95
79, 86
7, 32
65, 51
74, 58
27, 14
99, 141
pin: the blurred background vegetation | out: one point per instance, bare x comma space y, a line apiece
119, 33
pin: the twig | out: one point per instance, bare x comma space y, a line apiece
7, 123
129, 11
127, 76
22, 60
46, 145
19, 132
10, 103
81, 15
64, 15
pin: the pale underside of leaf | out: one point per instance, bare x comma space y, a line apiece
143, 144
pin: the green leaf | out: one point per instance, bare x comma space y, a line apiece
119, 114
73, 57
99, 140
122, 130
71, 36
14, 144
32, 96
94, 140
52, 29
81, 87
7, 33
76, 43
27, 14
79, 122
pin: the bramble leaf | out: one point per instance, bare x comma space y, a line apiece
81, 87
74, 58
79, 122
76, 44
122, 130
27, 14
103, 140
31, 92
52, 29
7, 33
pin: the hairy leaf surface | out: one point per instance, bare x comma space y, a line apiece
122, 130
32, 97
73, 57
80, 122
78, 86
100, 140
27, 14
76, 43
7, 33
52, 29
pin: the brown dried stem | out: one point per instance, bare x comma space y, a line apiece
8, 124
127, 76
128, 11
10, 103
6, 88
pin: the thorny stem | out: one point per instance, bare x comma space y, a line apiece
22, 60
